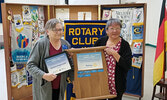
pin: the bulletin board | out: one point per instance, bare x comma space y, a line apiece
24, 92
54, 11
135, 76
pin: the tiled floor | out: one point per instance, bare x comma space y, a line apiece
148, 76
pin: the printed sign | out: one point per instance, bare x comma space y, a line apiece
83, 33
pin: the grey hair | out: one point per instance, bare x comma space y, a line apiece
51, 23
113, 21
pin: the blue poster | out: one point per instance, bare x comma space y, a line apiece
82, 34
137, 31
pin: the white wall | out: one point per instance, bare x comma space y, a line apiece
3, 85
92, 2
1, 34
1, 29
49, 2
153, 17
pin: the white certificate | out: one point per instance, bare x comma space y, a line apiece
58, 63
89, 61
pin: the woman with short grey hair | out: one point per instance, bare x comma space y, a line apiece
118, 57
48, 86
50, 24
112, 21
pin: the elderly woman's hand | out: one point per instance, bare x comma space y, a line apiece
49, 77
111, 51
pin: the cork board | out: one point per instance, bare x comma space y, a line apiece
25, 92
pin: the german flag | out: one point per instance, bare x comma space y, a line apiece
158, 72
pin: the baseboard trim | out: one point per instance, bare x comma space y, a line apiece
151, 45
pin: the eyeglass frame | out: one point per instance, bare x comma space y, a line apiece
57, 30
112, 29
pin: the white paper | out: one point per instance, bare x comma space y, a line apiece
87, 16
62, 14
89, 61
18, 22
15, 79
22, 77
138, 15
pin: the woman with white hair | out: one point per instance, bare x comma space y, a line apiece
48, 86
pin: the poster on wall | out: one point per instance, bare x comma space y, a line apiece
34, 13
81, 34
84, 16
18, 23
138, 15
137, 31
106, 14
41, 27
41, 13
125, 15
62, 14
137, 48
22, 77
26, 14
137, 61
14, 76
21, 44
35, 28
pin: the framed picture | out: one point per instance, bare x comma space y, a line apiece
58, 63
